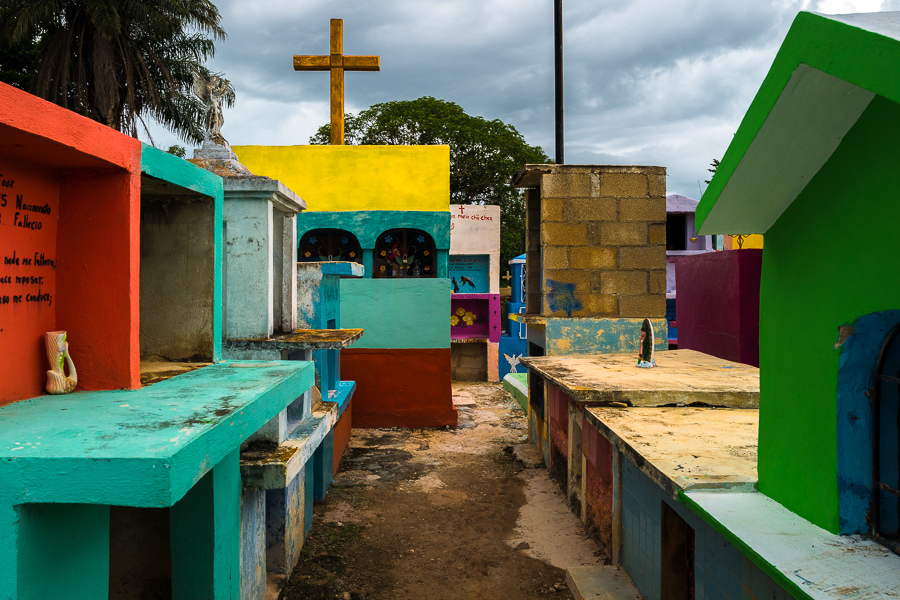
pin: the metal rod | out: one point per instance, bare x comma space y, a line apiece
558, 68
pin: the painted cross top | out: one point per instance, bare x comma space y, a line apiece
337, 63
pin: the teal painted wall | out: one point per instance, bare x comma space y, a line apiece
397, 313
367, 225
165, 166
826, 262
64, 552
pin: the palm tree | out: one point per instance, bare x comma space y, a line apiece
119, 61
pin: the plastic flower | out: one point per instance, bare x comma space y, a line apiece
454, 320
469, 318
460, 311
420, 239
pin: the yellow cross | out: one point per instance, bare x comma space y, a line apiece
337, 63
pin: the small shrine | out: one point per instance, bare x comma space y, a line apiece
278, 310
682, 239
386, 208
595, 250
131, 481
475, 303
513, 341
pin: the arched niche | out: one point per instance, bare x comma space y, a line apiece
404, 253
319, 245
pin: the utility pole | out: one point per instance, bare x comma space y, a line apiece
558, 67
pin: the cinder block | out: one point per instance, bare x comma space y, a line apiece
557, 257
564, 234
642, 209
581, 279
592, 209
624, 282
642, 257
658, 234
630, 185
602, 305
656, 185
552, 209
623, 234
647, 307
566, 185
591, 257
658, 281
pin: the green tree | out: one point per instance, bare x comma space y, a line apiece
114, 61
484, 154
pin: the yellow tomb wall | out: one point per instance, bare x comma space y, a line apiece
753, 240
343, 178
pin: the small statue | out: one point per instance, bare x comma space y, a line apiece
645, 346
214, 90
57, 352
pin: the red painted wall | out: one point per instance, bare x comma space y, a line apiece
718, 304
598, 488
88, 176
400, 387
342, 430
558, 426
22, 321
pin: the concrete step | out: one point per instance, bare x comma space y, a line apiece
600, 583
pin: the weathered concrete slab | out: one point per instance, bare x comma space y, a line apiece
684, 448
681, 378
271, 467
807, 561
600, 583
300, 339
156, 371
146, 447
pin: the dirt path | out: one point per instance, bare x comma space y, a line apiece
444, 515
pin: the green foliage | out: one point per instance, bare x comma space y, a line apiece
484, 154
715, 167
114, 61
18, 64
177, 150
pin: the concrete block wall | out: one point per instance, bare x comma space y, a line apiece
468, 361
602, 238
721, 571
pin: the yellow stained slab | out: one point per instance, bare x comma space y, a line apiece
681, 378
301, 339
687, 448
156, 371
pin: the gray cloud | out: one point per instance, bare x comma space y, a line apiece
646, 81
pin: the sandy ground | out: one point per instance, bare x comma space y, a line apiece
442, 514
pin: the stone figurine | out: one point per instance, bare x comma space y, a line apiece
645, 346
57, 353
214, 91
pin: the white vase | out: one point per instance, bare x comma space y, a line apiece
57, 354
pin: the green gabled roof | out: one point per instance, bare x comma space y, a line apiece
824, 76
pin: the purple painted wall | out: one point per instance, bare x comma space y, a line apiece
718, 304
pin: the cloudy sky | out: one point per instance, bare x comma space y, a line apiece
649, 82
